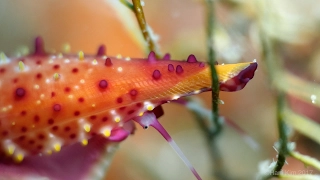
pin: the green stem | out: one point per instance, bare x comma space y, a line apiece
212, 61
273, 69
283, 139
219, 168
138, 10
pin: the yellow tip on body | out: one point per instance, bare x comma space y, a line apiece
119, 56
56, 76
19, 157
150, 107
66, 48
107, 133
141, 114
94, 62
117, 119
3, 57
81, 55
11, 149
57, 147
21, 66
86, 127
49, 152
84, 142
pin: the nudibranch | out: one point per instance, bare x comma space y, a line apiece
50, 101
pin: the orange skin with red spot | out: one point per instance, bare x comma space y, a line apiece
62, 96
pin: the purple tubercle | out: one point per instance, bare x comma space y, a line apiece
152, 57
101, 50
20, 92
156, 74
179, 69
149, 119
133, 92
56, 107
166, 56
103, 84
39, 47
170, 67
192, 59
108, 62
239, 81
202, 64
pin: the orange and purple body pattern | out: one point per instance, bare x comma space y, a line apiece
50, 101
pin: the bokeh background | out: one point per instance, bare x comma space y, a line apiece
181, 29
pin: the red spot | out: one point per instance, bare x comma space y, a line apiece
36, 118
23, 113
67, 128
93, 117
20, 92
104, 119
130, 112
122, 108
57, 66
39, 76
2, 70
53, 94
156, 74
38, 62
5, 133
21, 138
31, 142
39, 147
179, 69
108, 62
139, 104
76, 113
81, 99
170, 67
41, 136
119, 100
93, 134
15, 80
103, 84
23, 129
67, 89
133, 92
75, 70
55, 128
72, 136
50, 121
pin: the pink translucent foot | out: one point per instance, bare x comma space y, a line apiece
149, 119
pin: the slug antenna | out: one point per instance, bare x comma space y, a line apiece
149, 119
